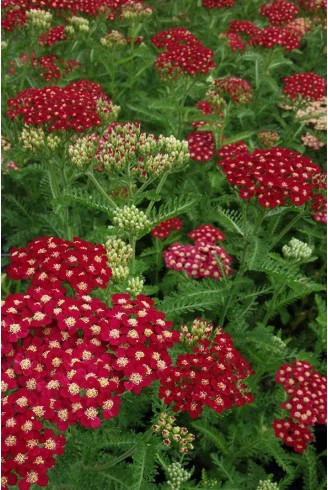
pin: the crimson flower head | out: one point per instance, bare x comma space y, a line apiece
207, 233
271, 36
211, 375
236, 89
279, 12
277, 176
219, 4
184, 54
164, 229
308, 86
306, 403
50, 262
78, 106
201, 145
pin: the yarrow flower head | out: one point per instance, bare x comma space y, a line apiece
308, 86
135, 286
201, 145
306, 403
51, 261
75, 106
203, 259
131, 219
235, 89
206, 233
267, 485
172, 433
184, 54
163, 230
312, 141
199, 330
268, 139
125, 144
219, 4
211, 375
119, 254
39, 19
279, 12
296, 250
276, 176
272, 36
177, 474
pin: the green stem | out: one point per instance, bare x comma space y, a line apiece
158, 190
275, 295
132, 241
101, 190
286, 229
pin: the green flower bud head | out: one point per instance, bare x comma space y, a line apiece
296, 250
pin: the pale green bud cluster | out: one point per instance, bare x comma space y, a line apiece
83, 150
53, 142
177, 476
39, 19
296, 250
107, 111
213, 98
267, 485
113, 38
130, 219
4, 45
118, 254
32, 139
173, 433
135, 286
136, 11
199, 330
35, 139
124, 144
280, 344
79, 24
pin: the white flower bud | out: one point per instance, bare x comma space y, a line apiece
296, 250
130, 219
39, 19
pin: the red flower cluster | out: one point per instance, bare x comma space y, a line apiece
233, 149
306, 403
314, 6
308, 86
13, 19
50, 262
201, 145
163, 230
236, 89
67, 360
219, 4
206, 233
54, 36
239, 33
204, 258
51, 67
211, 375
279, 12
184, 54
60, 108
274, 176
272, 36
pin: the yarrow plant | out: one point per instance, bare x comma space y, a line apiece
164, 244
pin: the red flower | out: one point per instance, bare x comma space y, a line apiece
211, 4
61, 108
273, 176
49, 261
271, 36
279, 12
206, 233
201, 145
237, 89
210, 375
308, 86
164, 229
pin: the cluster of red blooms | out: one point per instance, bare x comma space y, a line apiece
279, 11
51, 66
72, 107
242, 33
15, 10
237, 89
275, 176
67, 360
210, 375
184, 54
163, 230
204, 258
306, 403
201, 145
50, 261
54, 36
308, 86
219, 4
